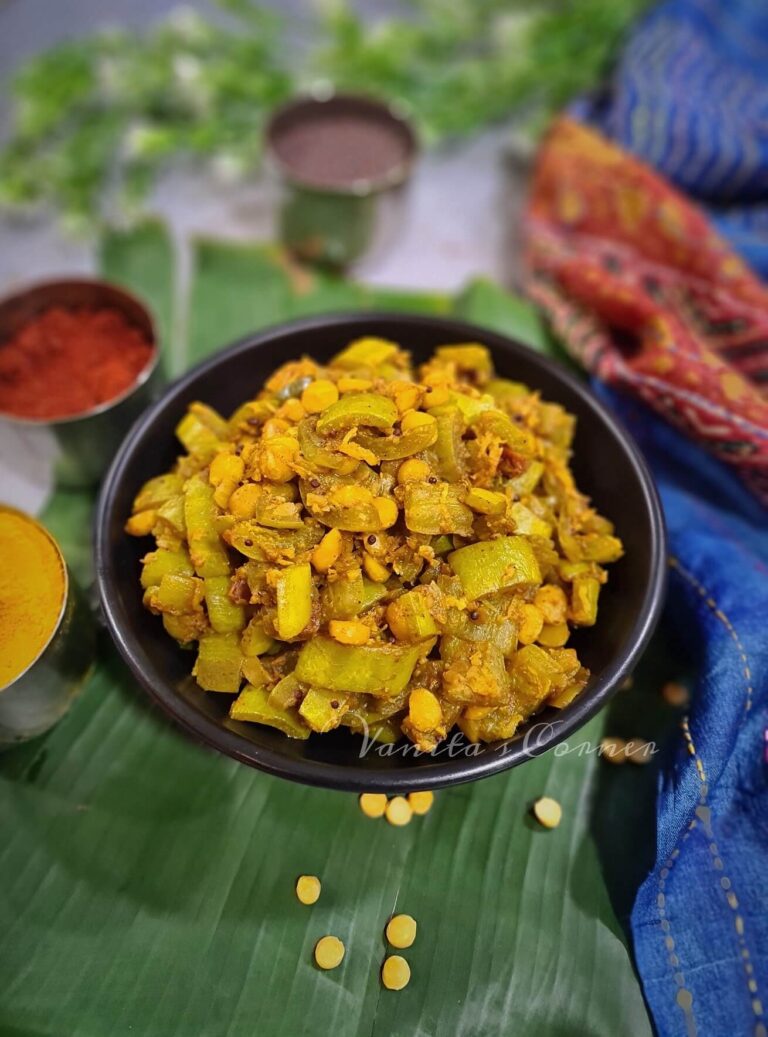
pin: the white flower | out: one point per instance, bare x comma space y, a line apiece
330, 8
139, 140
187, 23
229, 167
513, 27
187, 69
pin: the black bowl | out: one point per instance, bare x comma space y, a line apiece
607, 465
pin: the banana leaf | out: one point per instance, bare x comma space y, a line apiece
149, 883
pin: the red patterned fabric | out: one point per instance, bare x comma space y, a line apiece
647, 296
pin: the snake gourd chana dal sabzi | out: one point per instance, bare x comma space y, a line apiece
393, 551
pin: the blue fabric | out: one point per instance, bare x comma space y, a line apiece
690, 97
700, 919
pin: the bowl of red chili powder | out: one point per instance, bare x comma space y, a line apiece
79, 358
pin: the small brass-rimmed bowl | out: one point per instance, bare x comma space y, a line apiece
85, 443
331, 220
36, 698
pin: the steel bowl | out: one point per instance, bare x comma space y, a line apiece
333, 225
607, 464
83, 445
40, 696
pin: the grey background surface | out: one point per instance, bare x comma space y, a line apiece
459, 221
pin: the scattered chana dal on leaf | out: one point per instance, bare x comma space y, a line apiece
380, 546
401, 931
421, 802
308, 889
675, 694
329, 952
639, 751
547, 812
395, 972
399, 811
613, 749
373, 804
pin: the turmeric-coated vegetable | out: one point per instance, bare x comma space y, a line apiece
380, 669
208, 554
255, 640
397, 550
486, 502
366, 353
252, 704
410, 439
410, 618
219, 663
294, 600
436, 509
225, 617
357, 409
319, 395
493, 565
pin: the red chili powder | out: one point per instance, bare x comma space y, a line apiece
68, 361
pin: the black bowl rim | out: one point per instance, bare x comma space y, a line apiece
452, 771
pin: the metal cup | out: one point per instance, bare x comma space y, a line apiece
84, 444
334, 224
37, 698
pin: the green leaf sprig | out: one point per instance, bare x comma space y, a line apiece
96, 120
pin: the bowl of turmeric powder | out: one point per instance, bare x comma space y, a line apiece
380, 552
78, 363
47, 638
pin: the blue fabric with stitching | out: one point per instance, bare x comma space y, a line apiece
690, 97
700, 919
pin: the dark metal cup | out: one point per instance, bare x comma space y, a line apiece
333, 224
84, 444
39, 696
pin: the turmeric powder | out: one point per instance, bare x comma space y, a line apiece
33, 589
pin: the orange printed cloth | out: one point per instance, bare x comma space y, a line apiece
647, 296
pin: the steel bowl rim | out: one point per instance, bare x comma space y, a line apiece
340, 776
144, 375
364, 187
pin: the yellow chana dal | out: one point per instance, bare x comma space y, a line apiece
401, 931
308, 889
421, 802
395, 972
373, 804
329, 952
399, 811
548, 812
